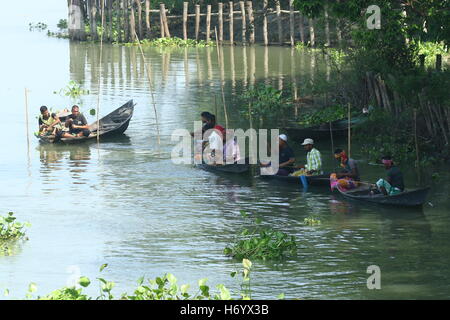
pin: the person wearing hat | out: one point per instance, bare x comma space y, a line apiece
286, 157
313, 158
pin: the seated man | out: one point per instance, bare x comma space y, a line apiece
231, 151
214, 145
77, 125
206, 124
394, 183
348, 177
49, 124
313, 160
286, 157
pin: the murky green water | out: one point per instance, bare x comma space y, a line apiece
126, 204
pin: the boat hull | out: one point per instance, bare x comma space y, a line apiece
410, 198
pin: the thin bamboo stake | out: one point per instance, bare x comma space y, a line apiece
208, 23
349, 131
100, 77
280, 27
220, 22
231, 22
197, 21
291, 23
147, 68
221, 81
26, 120
185, 19
244, 24
251, 19
265, 23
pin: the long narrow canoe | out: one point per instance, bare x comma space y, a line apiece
316, 180
408, 198
116, 122
228, 168
338, 127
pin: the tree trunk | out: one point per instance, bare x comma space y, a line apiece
93, 19
132, 23
119, 19
302, 29
251, 19
126, 24
312, 36
76, 20
147, 19
327, 27
265, 24
139, 16
291, 23
110, 20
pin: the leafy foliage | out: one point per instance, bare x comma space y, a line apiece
160, 288
263, 243
73, 90
10, 232
265, 102
172, 42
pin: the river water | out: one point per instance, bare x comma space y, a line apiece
126, 204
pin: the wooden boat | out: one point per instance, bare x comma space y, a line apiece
236, 168
338, 128
316, 180
116, 122
407, 198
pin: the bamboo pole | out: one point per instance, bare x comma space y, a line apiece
349, 137
233, 69
147, 19
166, 24
291, 22
251, 19
197, 21
312, 35
220, 22
415, 138
231, 22
26, 121
327, 27
100, 77
161, 21
265, 23
185, 19
139, 15
208, 23
221, 80
149, 77
244, 24
280, 26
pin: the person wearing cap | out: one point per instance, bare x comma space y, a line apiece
394, 183
286, 157
313, 158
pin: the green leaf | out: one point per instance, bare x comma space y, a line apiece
32, 287
92, 112
84, 281
171, 278
103, 266
247, 264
